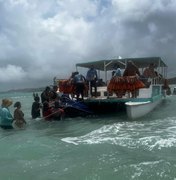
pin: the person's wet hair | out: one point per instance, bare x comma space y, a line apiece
36, 98
17, 104
47, 88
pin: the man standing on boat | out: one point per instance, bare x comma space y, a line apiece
117, 72
92, 78
150, 72
131, 75
79, 81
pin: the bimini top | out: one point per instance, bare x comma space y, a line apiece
107, 65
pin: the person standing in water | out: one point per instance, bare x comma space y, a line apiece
6, 118
36, 106
19, 115
45, 95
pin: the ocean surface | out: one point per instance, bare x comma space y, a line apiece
93, 148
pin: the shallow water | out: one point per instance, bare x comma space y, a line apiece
98, 148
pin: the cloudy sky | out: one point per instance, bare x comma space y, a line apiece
40, 39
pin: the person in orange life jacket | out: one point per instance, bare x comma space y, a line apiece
6, 118
132, 70
92, 78
79, 81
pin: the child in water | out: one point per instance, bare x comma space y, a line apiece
19, 115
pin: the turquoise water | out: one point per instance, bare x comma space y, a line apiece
98, 148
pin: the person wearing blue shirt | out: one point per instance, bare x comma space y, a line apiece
6, 118
79, 81
118, 72
92, 78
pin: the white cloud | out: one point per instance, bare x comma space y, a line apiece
44, 38
12, 73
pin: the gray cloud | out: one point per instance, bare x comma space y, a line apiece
42, 39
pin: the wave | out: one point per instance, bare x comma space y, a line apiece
149, 136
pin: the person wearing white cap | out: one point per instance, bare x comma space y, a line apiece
6, 118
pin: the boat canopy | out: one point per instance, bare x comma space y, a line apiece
108, 65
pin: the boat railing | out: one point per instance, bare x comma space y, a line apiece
152, 81
102, 90
157, 80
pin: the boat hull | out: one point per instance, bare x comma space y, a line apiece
100, 106
138, 109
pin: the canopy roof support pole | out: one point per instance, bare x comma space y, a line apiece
105, 71
159, 65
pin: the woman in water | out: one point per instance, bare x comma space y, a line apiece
19, 115
6, 118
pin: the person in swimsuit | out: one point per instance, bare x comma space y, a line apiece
19, 115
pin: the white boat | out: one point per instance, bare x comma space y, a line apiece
145, 102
